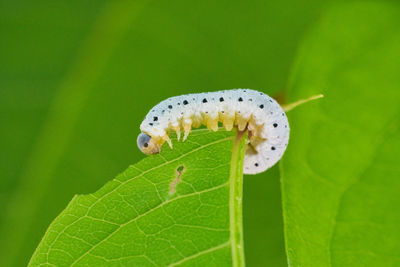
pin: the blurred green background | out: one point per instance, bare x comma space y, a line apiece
77, 78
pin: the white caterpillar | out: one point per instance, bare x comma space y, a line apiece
247, 109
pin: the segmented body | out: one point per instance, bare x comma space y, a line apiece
247, 109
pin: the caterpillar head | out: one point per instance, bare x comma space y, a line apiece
147, 145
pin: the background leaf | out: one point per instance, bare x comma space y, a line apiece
77, 78
180, 207
340, 173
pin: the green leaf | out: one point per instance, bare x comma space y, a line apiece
341, 172
181, 207
118, 59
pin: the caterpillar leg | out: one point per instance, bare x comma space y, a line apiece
166, 138
187, 126
241, 123
177, 129
228, 124
228, 120
212, 123
175, 125
197, 120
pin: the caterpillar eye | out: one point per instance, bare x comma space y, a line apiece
143, 141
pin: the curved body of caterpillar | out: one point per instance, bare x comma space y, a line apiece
247, 109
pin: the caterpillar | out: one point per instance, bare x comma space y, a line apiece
245, 109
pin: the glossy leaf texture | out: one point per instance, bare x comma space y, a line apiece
341, 172
181, 207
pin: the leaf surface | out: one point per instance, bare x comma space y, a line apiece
74, 92
178, 208
341, 171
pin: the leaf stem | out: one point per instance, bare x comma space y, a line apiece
236, 197
293, 105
